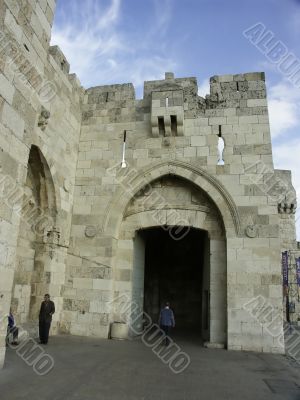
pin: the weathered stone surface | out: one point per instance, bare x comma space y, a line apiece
70, 213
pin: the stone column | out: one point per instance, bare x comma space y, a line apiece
138, 283
218, 288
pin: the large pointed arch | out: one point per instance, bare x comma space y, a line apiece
133, 181
48, 166
38, 215
37, 160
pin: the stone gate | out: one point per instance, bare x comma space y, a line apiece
173, 196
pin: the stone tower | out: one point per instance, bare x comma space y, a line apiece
105, 196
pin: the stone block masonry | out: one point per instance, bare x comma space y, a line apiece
61, 163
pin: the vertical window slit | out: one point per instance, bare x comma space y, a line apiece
174, 124
124, 164
221, 146
161, 126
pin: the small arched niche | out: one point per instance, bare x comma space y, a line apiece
37, 212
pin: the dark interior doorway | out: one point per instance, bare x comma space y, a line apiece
176, 271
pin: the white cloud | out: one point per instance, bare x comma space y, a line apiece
88, 36
163, 13
101, 51
283, 116
284, 89
111, 15
284, 108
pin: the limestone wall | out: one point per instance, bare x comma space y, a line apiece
39, 105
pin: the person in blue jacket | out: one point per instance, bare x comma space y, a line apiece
166, 321
12, 329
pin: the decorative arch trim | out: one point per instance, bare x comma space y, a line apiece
134, 181
192, 219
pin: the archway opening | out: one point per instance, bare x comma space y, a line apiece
37, 217
153, 216
176, 270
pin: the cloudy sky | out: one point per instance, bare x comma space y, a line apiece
116, 41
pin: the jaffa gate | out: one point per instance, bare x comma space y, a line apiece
114, 205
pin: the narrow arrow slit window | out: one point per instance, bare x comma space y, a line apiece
221, 146
124, 165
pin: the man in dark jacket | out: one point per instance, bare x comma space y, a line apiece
45, 318
166, 321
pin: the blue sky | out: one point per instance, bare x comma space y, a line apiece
116, 41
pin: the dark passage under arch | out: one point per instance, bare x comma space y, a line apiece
177, 271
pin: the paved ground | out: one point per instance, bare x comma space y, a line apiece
89, 369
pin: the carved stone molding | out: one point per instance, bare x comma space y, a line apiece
166, 142
67, 185
43, 118
90, 231
52, 236
285, 208
137, 210
251, 231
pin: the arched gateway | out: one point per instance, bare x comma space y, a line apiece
181, 221
171, 222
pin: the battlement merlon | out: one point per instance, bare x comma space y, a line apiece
249, 76
60, 61
60, 58
170, 83
241, 86
110, 93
